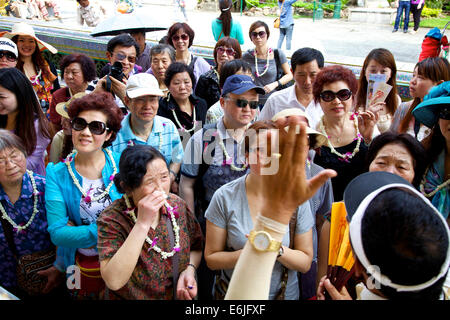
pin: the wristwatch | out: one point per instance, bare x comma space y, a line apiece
263, 241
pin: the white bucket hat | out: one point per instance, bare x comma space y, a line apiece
24, 29
8, 45
143, 84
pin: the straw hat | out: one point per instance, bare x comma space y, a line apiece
61, 108
24, 29
321, 139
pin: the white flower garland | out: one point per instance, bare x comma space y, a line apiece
152, 243
348, 155
86, 197
228, 159
432, 193
5, 216
266, 66
182, 128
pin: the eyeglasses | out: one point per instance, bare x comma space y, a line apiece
96, 127
15, 157
229, 51
342, 95
183, 37
242, 103
261, 34
121, 57
11, 57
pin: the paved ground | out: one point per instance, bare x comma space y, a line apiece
339, 40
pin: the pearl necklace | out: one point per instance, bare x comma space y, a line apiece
152, 243
348, 155
266, 66
86, 197
228, 159
432, 193
19, 228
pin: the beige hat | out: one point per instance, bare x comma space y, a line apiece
24, 29
61, 107
143, 84
321, 139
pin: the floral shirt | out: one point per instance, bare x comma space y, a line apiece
152, 276
33, 239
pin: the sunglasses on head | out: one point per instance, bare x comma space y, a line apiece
261, 34
229, 51
11, 57
183, 37
444, 114
242, 103
95, 127
342, 95
121, 57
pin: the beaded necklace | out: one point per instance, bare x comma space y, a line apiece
266, 66
19, 228
86, 197
152, 242
432, 193
228, 160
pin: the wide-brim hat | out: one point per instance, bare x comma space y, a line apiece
24, 29
427, 112
61, 108
321, 139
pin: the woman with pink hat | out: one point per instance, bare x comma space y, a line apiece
31, 62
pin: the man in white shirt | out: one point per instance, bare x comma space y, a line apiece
305, 65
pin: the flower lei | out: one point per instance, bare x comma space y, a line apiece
85, 196
432, 193
347, 156
182, 128
266, 66
19, 228
152, 242
228, 160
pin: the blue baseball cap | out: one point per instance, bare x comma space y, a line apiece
238, 84
435, 102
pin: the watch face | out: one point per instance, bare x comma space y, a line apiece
261, 241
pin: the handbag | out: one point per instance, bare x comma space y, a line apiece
276, 22
28, 279
220, 285
280, 72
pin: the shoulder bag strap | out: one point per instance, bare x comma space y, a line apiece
7, 230
221, 31
276, 55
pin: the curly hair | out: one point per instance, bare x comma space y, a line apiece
87, 65
103, 102
332, 74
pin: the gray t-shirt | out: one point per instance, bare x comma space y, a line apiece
229, 210
268, 77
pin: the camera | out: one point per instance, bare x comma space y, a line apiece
117, 71
44, 105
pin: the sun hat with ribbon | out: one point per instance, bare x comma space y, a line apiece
24, 29
434, 103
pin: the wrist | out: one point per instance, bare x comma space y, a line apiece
191, 267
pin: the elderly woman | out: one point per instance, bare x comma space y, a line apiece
233, 211
348, 135
392, 152
77, 71
21, 113
183, 108
81, 187
161, 56
23, 217
181, 36
226, 49
139, 232
270, 67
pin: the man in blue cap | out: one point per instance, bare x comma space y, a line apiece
215, 156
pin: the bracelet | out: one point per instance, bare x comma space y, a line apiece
279, 83
174, 174
193, 266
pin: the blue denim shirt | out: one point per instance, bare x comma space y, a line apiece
286, 16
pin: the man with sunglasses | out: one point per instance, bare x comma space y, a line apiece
8, 53
143, 126
215, 156
305, 65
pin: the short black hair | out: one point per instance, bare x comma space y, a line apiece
124, 40
414, 147
231, 67
407, 240
178, 67
305, 55
133, 166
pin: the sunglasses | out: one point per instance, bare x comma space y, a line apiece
121, 57
444, 114
229, 51
242, 103
11, 57
183, 37
342, 95
261, 34
95, 127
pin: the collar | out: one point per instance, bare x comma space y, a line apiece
224, 131
127, 133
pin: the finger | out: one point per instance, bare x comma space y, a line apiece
319, 180
288, 143
301, 145
334, 294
